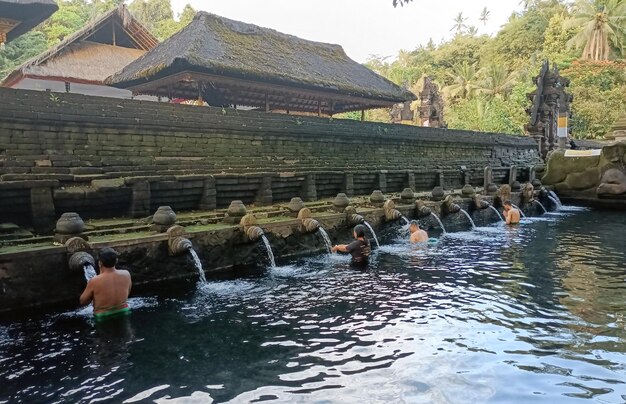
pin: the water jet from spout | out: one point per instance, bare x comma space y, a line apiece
497, 212
373, 233
443, 229
326, 239
468, 218
268, 248
542, 207
198, 264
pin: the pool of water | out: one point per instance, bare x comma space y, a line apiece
533, 313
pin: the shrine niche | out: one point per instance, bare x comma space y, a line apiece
550, 111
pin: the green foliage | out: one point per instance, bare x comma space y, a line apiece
20, 50
601, 28
70, 17
486, 79
491, 114
599, 90
157, 16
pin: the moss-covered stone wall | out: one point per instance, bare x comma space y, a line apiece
105, 157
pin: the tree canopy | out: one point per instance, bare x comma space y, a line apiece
485, 79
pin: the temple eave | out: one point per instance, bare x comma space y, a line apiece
220, 91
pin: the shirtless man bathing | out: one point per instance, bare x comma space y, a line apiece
511, 214
108, 291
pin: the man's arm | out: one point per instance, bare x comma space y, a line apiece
508, 217
340, 248
87, 295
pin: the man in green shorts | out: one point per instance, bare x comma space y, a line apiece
109, 290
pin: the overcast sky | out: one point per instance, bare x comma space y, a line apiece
362, 27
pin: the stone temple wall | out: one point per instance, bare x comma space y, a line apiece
105, 157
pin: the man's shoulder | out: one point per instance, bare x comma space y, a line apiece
122, 272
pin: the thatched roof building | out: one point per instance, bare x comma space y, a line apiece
20, 16
228, 62
87, 57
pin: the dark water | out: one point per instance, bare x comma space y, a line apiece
534, 313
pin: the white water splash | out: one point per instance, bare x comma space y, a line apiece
196, 261
326, 238
373, 233
268, 248
90, 272
405, 220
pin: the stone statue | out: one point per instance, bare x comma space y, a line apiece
431, 105
550, 102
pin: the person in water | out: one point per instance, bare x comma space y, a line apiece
417, 235
109, 290
359, 249
511, 214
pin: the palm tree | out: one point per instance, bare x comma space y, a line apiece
497, 81
602, 24
484, 15
472, 30
459, 23
464, 81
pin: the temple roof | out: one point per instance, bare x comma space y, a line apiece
27, 13
93, 53
215, 50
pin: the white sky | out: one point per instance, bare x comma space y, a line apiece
362, 27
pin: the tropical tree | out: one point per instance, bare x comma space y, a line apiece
496, 81
459, 23
602, 25
465, 81
484, 15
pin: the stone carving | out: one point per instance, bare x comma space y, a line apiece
549, 101
401, 112
589, 177
528, 193
431, 105
613, 182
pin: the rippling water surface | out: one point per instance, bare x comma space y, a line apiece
533, 313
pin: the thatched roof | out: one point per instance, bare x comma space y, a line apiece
91, 54
222, 48
29, 14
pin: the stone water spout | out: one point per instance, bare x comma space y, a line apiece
422, 210
250, 228
80, 254
528, 194
448, 206
309, 225
391, 213
352, 217
503, 194
479, 203
177, 243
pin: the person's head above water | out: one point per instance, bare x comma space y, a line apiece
107, 257
508, 204
414, 226
359, 231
